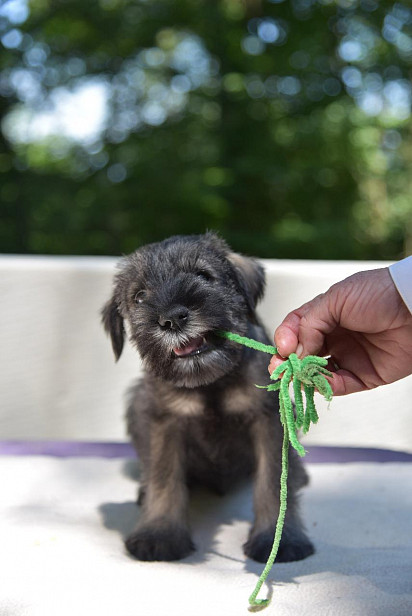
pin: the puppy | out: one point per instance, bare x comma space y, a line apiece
196, 416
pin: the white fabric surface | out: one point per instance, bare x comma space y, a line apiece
58, 378
62, 521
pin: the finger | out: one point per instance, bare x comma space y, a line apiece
275, 362
344, 382
286, 335
316, 323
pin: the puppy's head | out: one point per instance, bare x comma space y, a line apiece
173, 296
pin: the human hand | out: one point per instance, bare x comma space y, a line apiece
362, 323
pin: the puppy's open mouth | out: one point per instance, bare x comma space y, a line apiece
195, 346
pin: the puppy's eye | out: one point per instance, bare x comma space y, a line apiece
140, 297
204, 275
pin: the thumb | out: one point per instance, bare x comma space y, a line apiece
317, 320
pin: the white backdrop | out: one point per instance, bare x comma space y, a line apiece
59, 380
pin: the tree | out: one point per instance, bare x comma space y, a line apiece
283, 125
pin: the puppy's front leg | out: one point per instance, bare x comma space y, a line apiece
294, 544
162, 533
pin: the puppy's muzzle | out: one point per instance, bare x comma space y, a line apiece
175, 318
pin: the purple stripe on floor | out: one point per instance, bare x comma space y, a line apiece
320, 454
74, 449
66, 449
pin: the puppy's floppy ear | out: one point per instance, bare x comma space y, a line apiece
251, 279
113, 324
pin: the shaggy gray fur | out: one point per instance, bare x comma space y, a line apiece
196, 415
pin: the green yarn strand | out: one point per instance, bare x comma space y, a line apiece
300, 410
248, 342
311, 415
307, 374
253, 600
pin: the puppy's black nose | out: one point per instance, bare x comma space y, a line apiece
174, 318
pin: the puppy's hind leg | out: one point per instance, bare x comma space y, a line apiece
294, 544
163, 532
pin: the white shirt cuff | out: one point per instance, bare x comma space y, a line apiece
401, 273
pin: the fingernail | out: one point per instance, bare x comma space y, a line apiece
299, 350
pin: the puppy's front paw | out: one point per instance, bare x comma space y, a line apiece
294, 545
259, 546
159, 543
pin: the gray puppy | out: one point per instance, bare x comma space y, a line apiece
196, 416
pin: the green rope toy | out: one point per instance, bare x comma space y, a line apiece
309, 373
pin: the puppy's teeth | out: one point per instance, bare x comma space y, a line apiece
189, 348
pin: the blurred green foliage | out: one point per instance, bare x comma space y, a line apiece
284, 125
